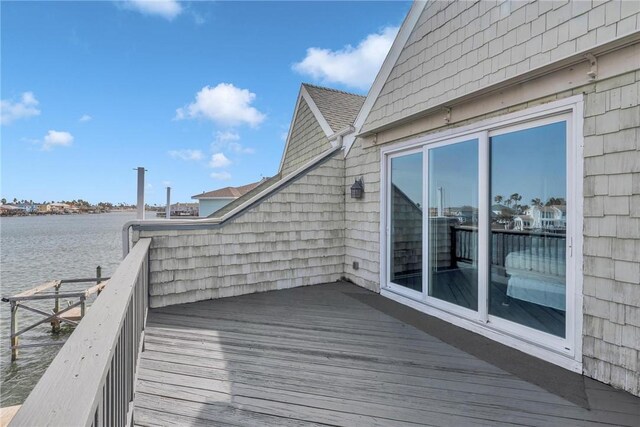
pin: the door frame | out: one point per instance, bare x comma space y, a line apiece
565, 352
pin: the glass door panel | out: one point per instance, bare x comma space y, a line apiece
453, 223
528, 227
406, 221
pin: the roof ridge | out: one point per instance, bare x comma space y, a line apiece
333, 90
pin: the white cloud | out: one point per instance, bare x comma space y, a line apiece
224, 104
352, 66
227, 136
228, 140
55, 138
222, 176
240, 149
167, 9
11, 111
219, 160
187, 154
85, 118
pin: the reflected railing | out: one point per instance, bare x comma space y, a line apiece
464, 240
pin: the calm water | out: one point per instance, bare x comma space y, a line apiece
37, 249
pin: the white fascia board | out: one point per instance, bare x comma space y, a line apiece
293, 120
216, 198
316, 112
390, 61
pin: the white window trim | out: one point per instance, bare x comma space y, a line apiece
556, 349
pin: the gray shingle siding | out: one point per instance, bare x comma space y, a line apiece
612, 232
308, 140
293, 238
362, 217
462, 46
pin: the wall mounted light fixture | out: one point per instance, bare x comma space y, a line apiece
357, 189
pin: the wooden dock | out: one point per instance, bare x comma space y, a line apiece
323, 355
70, 315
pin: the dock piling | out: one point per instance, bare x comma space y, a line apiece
71, 314
55, 324
14, 328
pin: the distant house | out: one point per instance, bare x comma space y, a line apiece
548, 217
58, 207
9, 210
211, 201
542, 218
28, 207
184, 209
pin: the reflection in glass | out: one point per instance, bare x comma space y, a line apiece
406, 221
453, 223
528, 227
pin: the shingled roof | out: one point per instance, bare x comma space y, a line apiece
337, 107
228, 192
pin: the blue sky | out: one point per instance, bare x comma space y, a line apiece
199, 93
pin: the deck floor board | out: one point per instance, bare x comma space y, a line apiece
317, 356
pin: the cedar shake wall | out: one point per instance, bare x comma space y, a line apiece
295, 237
362, 217
407, 240
612, 232
308, 140
458, 47
611, 330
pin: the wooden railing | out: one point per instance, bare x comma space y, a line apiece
91, 380
464, 241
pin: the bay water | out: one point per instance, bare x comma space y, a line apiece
38, 249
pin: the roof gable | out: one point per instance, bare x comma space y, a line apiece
307, 138
328, 112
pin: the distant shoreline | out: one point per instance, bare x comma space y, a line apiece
23, 214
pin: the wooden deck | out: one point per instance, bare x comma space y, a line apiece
323, 355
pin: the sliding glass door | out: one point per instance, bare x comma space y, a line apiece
529, 227
477, 227
453, 223
405, 214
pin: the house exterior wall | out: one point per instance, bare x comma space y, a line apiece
270, 246
459, 47
611, 288
209, 206
307, 140
362, 217
611, 344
